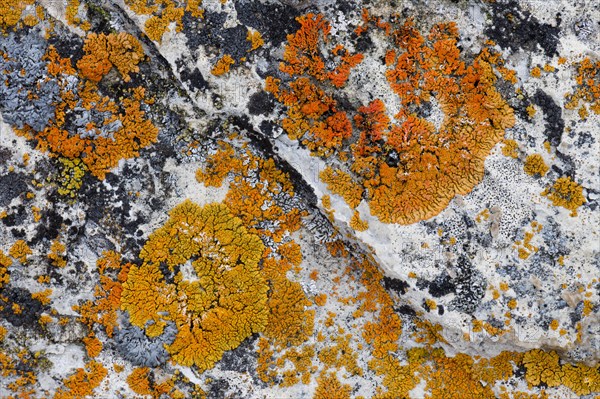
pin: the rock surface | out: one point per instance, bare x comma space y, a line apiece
300, 199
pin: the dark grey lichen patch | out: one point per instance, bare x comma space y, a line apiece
26, 97
11, 186
261, 103
242, 359
192, 78
555, 124
209, 32
19, 308
273, 20
514, 28
470, 286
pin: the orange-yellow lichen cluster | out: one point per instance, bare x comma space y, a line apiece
341, 183
164, 12
330, 387
73, 13
83, 382
255, 39
5, 262
525, 247
103, 52
223, 65
11, 11
144, 381
256, 187
566, 193
588, 88
102, 311
545, 368
535, 165
217, 301
99, 151
410, 170
312, 115
252, 189
510, 148
20, 251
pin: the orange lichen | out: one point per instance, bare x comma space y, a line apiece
341, 183
566, 193
57, 253
98, 151
5, 262
255, 39
535, 165
536, 72
588, 87
83, 382
253, 201
103, 52
93, 346
431, 164
223, 65
103, 309
138, 381
321, 299
357, 223
542, 367
312, 115
329, 387
225, 302
303, 56
19, 251
43, 296
289, 323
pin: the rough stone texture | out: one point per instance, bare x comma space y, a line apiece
500, 269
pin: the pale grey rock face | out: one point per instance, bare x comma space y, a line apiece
500, 269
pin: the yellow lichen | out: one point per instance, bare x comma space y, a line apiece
5, 262
510, 148
542, 367
535, 165
566, 193
329, 387
357, 223
255, 39
587, 89
83, 382
223, 65
225, 301
20, 250
10, 12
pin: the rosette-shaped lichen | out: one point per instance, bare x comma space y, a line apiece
409, 168
201, 272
